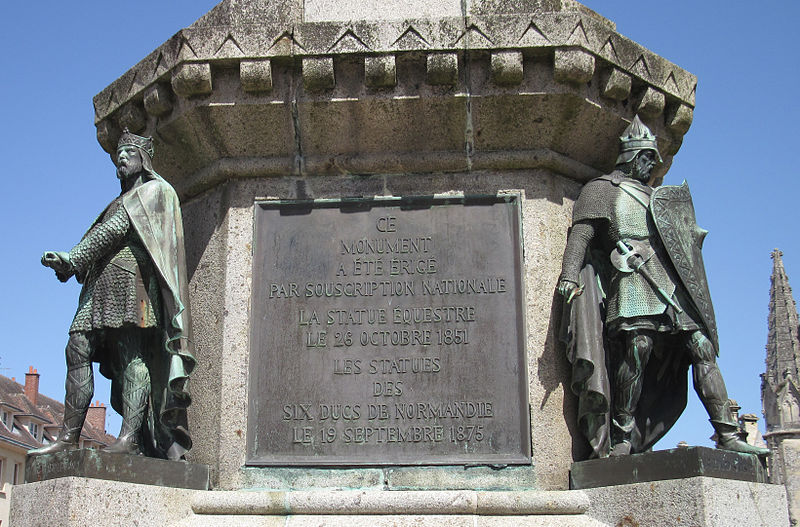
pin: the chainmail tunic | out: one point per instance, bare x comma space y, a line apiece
120, 286
616, 208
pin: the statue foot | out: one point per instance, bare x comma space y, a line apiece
737, 445
622, 448
123, 445
60, 445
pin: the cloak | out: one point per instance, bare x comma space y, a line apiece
155, 213
590, 349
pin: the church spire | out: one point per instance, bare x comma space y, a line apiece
783, 346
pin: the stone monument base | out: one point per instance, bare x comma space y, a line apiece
685, 486
698, 501
77, 502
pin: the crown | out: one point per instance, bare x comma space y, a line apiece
129, 139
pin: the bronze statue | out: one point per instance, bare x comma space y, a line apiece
132, 314
637, 308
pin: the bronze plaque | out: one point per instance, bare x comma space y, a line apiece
388, 331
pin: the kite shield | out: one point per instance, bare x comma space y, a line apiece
673, 214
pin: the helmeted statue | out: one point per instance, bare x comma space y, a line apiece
133, 313
637, 308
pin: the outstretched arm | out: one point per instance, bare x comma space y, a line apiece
578, 241
100, 239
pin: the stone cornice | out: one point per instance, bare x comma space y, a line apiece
184, 62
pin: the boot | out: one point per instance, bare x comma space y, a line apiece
621, 437
728, 439
136, 389
126, 443
710, 386
67, 440
79, 387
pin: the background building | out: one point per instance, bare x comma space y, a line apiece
29, 420
780, 394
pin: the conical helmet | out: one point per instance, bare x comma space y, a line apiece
634, 139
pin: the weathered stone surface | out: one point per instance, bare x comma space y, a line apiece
332, 10
702, 501
573, 65
651, 103
398, 508
228, 36
158, 100
108, 134
679, 119
507, 67
380, 71
390, 521
318, 74
191, 79
77, 502
616, 84
442, 69
449, 478
256, 75
789, 455
132, 117
288, 478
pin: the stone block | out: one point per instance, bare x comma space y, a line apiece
132, 117
256, 75
108, 134
679, 118
397, 503
380, 71
445, 478
507, 67
158, 100
190, 79
789, 454
333, 10
78, 502
616, 84
318, 74
442, 69
699, 501
91, 463
573, 66
288, 478
651, 103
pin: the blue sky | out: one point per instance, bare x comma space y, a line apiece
737, 157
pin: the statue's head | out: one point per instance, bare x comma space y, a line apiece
134, 155
638, 150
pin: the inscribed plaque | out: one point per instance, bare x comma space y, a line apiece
388, 331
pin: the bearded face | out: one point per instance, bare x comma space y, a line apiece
643, 164
129, 162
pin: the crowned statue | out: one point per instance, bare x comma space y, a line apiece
133, 313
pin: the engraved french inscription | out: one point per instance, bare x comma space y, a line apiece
387, 332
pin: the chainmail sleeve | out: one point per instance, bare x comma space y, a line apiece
100, 239
579, 238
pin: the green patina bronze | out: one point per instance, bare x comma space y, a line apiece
133, 313
637, 309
